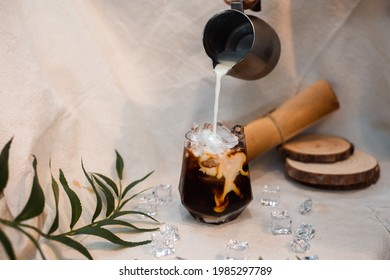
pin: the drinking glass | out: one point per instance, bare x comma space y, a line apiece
215, 187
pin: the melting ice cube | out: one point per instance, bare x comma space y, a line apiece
281, 222
147, 204
305, 231
162, 245
163, 193
270, 195
306, 206
170, 231
300, 245
237, 250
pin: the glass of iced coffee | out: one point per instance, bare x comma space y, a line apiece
214, 183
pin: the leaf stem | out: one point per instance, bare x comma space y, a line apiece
120, 198
19, 227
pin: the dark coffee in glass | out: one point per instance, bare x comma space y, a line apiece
214, 183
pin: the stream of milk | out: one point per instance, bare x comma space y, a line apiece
220, 70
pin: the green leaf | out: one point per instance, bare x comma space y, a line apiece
73, 244
73, 199
108, 235
133, 184
124, 224
124, 202
29, 236
56, 193
4, 165
99, 204
36, 202
119, 165
109, 197
109, 182
124, 213
7, 245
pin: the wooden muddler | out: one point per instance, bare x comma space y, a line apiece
296, 114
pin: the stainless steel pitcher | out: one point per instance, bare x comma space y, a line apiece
248, 41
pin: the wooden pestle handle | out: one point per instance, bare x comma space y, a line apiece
296, 114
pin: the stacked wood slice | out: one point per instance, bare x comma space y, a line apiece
330, 162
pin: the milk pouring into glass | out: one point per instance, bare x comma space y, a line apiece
220, 70
214, 183
226, 61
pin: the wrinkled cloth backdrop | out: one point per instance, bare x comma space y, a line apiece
81, 79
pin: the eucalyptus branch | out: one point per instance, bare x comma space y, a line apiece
109, 195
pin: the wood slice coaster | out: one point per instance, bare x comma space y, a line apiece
317, 148
358, 171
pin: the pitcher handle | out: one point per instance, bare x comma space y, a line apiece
239, 5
